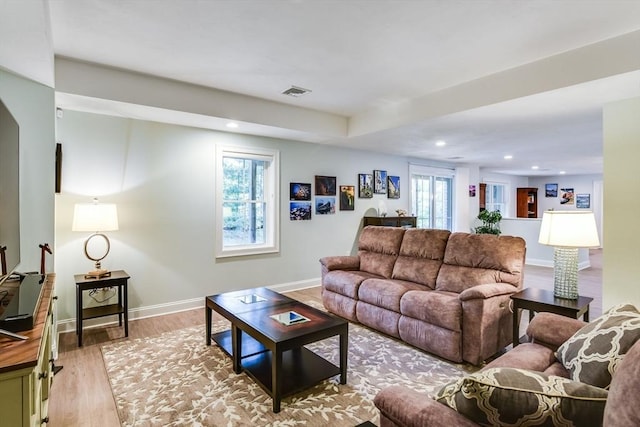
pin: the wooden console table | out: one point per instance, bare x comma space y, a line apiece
391, 221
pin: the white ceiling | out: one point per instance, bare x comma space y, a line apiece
366, 59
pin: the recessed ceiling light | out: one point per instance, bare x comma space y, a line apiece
440, 143
535, 167
232, 125
563, 172
508, 157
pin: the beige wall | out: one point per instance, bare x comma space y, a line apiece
621, 263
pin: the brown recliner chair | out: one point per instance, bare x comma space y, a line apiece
400, 406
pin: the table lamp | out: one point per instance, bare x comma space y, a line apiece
567, 231
95, 217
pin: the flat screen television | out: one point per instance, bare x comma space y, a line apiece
9, 193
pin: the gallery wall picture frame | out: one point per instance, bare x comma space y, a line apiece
325, 205
567, 196
365, 185
472, 190
393, 187
299, 191
325, 185
300, 211
379, 181
551, 190
583, 201
58, 167
347, 197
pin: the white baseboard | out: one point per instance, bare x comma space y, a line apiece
69, 325
549, 263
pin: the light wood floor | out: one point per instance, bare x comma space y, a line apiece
81, 395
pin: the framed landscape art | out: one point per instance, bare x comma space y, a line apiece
347, 197
325, 205
325, 185
551, 190
365, 185
393, 187
583, 201
300, 211
299, 191
379, 181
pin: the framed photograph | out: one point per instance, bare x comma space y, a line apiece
472, 191
325, 185
347, 197
551, 190
393, 187
566, 196
583, 201
365, 185
300, 211
379, 181
325, 205
299, 191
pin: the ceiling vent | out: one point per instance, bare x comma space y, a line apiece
296, 91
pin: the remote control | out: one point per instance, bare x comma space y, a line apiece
4, 332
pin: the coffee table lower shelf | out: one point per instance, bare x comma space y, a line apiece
301, 367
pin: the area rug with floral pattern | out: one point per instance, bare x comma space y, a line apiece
174, 379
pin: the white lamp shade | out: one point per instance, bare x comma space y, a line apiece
95, 217
569, 229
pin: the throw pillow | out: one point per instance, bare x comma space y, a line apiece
511, 396
594, 352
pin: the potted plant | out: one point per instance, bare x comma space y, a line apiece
490, 222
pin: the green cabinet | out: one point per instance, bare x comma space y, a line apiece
26, 370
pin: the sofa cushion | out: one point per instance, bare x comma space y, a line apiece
593, 354
378, 248
476, 259
386, 293
345, 282
442, 309
625, 387
510, 396
531, 356
421, 255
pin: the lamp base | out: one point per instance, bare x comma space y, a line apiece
565, 273
97, 274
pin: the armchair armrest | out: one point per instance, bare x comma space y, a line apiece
487, 291
408, 408
345, 262
552, 330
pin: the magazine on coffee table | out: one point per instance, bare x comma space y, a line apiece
251, 299
289, 318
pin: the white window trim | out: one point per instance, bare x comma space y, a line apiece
507, 198
272, 190
417, 169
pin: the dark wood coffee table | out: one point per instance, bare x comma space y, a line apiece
270, 352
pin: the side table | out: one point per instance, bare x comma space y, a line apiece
118, 279
536, 300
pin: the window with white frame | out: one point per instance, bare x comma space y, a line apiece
496, 197
247, 202
432, 196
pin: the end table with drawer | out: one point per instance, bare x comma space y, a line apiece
536, 300
118, 279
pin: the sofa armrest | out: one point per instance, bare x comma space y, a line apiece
487, 291
345, 262
409, 408
551, 330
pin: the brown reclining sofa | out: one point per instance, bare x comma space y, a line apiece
446, 293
